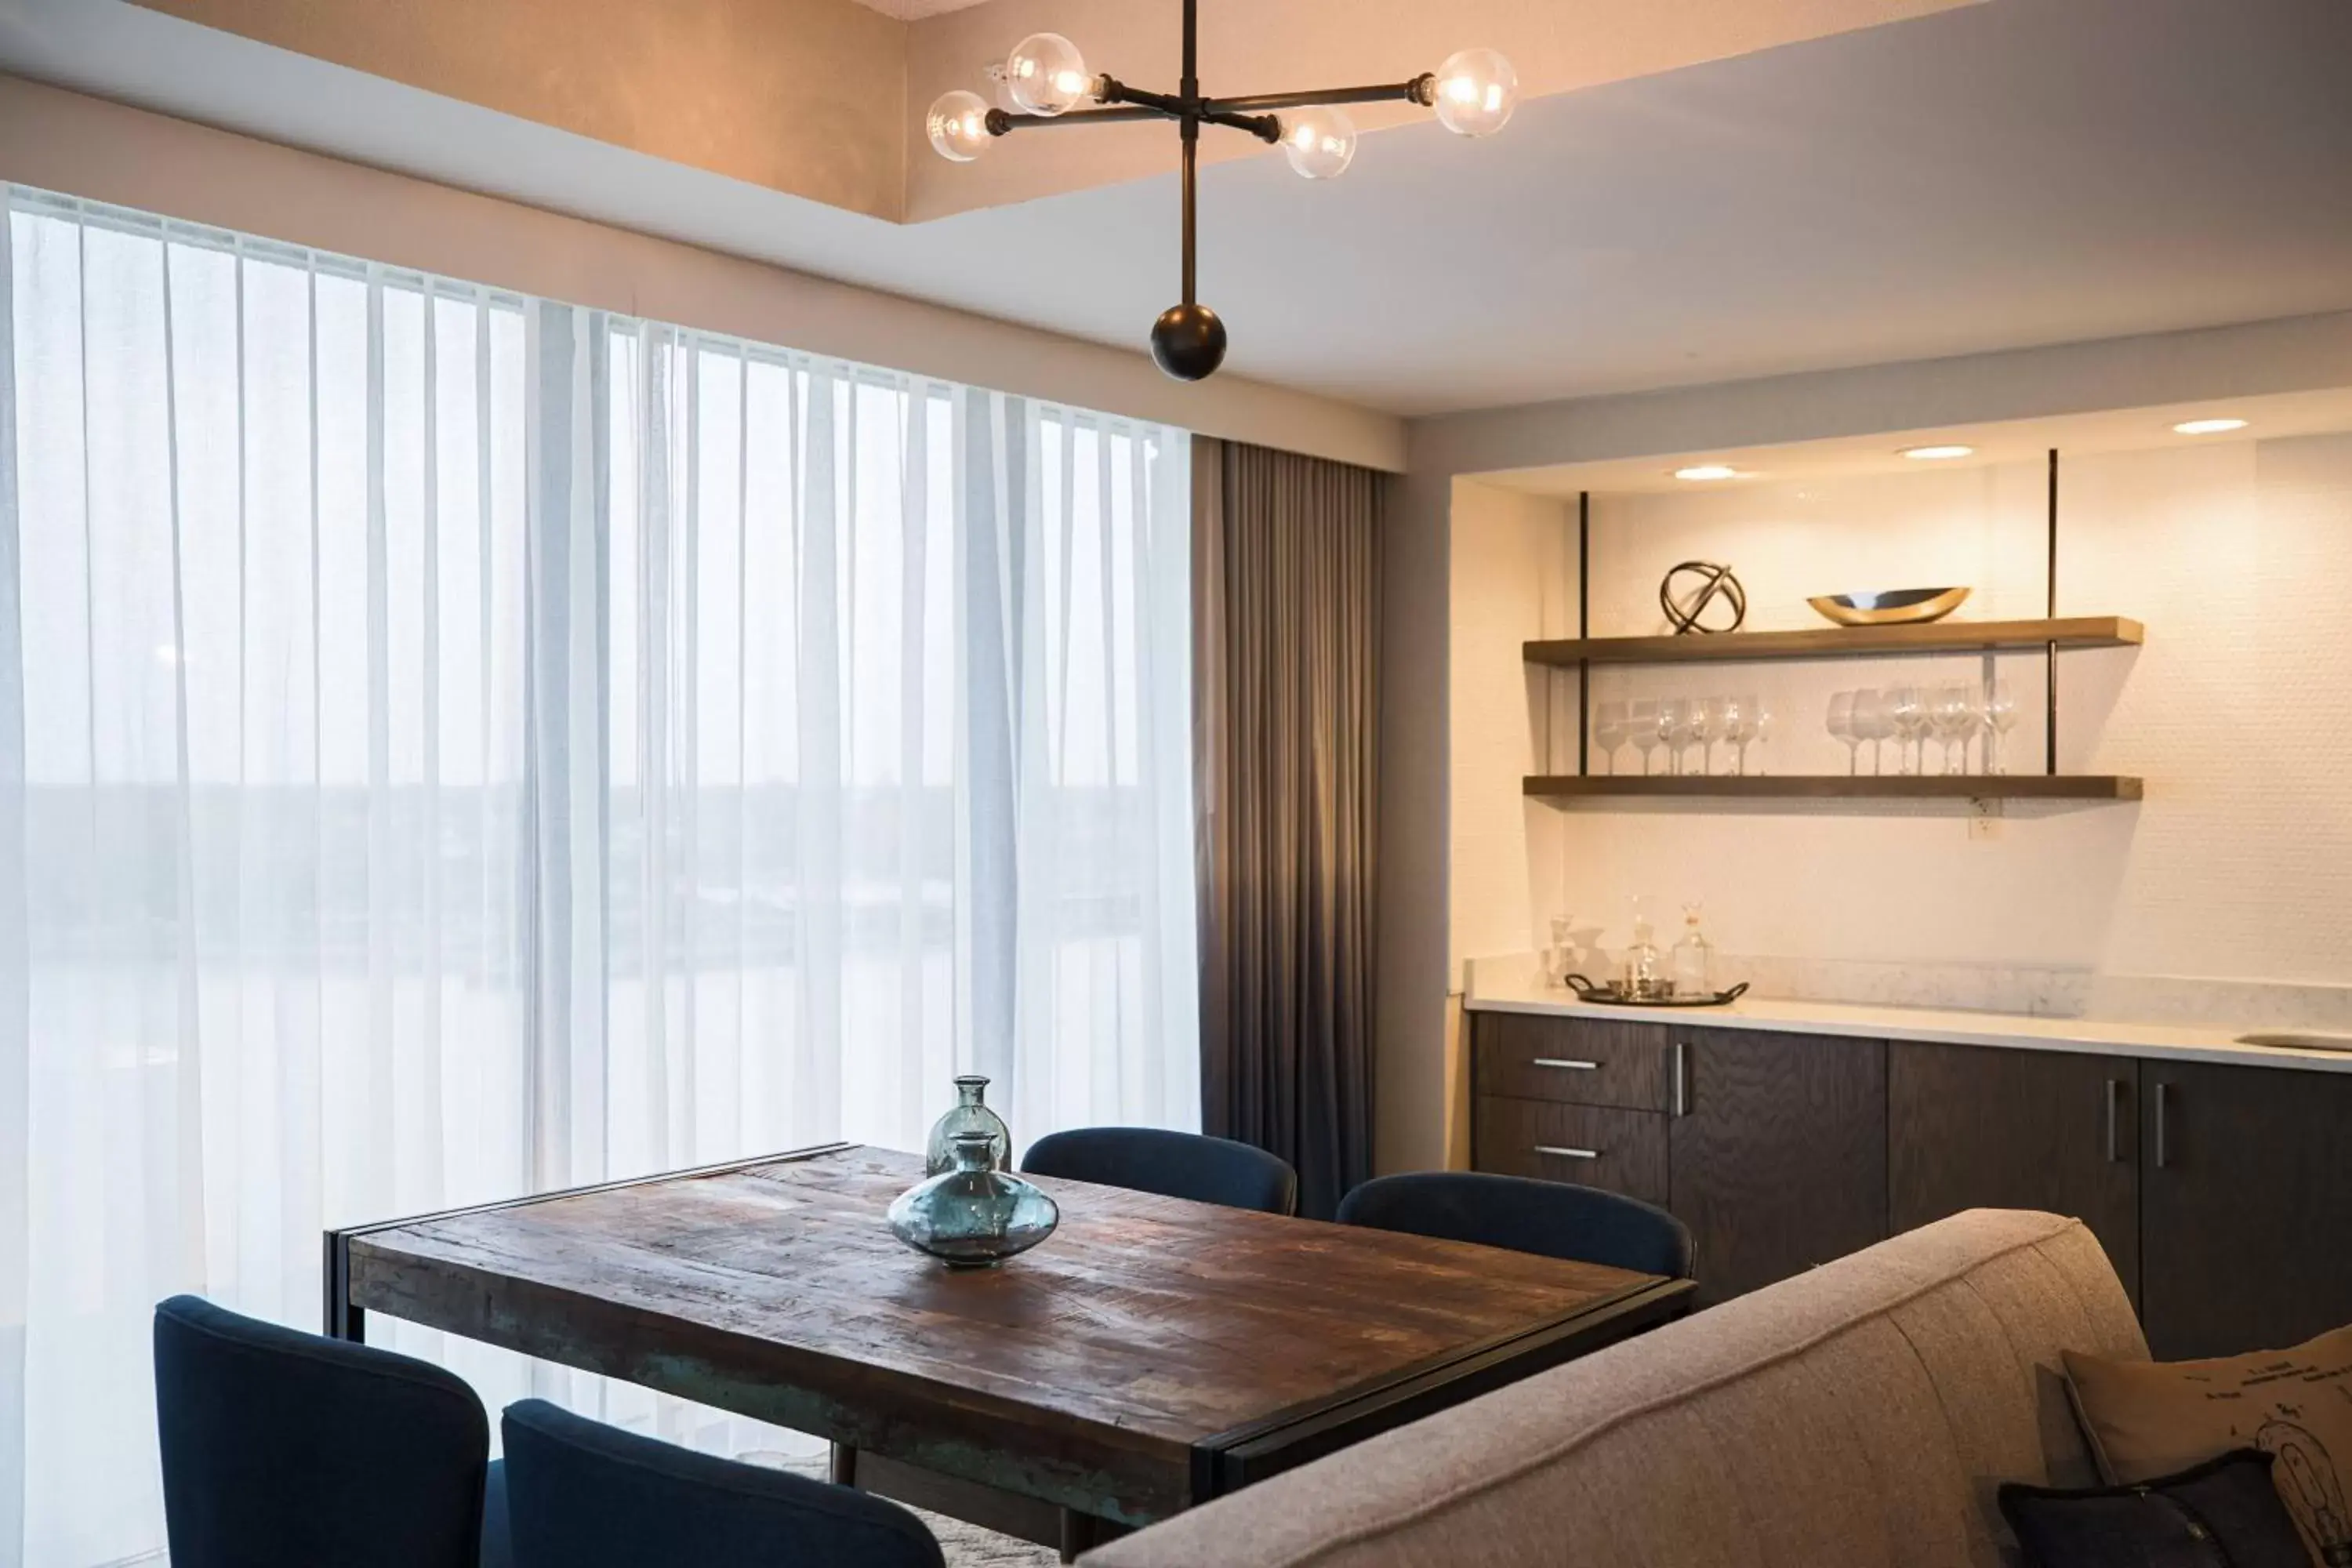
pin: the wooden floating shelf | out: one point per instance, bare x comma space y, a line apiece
1834, 642
1838, 787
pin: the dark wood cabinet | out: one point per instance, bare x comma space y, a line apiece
2245, 1206
1983, 1127
1776, 1151
1592, 1146
2223, 1194
1525, 1056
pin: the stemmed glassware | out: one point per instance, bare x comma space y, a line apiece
1642, 729
1910, 715
1679, 725
1950, 721
1742, 721
1997, 706
1951, 713
1708, 720
1611, 725
1873, 720
1676, 719
1841, 723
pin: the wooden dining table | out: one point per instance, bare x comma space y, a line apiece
1152, 1354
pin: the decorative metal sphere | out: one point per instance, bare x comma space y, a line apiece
1189, 341
1684, 607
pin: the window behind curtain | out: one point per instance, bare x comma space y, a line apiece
458, 742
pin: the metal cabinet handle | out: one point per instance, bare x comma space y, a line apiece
2115, 1117
1568, 1153
2163, 1116
1682, 1079
1568, 1062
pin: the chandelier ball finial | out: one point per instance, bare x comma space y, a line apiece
958, 126
1046, 75
1189, 341
1476, 91
1320, 143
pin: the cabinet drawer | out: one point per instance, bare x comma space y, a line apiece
1593, 1146
1522, 1056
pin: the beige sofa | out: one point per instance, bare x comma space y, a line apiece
1858, 1415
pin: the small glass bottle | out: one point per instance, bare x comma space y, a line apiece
1561, 956
969, 1114
1645, 970
1693, 957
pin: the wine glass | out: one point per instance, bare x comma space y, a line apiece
1707, 723
1873, 720
1611, 725
1910, 716
1739, 715
1761, 730
1841, 722
1952, 717
1997, 704
1642, 729
1674, 721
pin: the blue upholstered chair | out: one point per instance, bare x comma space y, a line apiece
1173, 1165
586, 1495
282, 1449
1553, 1218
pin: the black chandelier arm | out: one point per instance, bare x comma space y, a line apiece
1421, 90
1130, 103
1002, 122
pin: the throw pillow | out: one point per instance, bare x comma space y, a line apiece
2146, 1419
2225, 1513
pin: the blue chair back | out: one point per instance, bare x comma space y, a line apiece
1552, 1219
584, 1495
1173, 1165
282, 1449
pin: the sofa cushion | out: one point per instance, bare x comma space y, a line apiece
2223, 1513
2146, 1418
1863, 1413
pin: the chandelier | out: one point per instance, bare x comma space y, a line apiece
1045, 80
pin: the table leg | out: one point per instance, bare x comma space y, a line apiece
1080, 1532
343, 1320
844, 1468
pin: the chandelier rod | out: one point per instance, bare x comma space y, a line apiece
1188, 88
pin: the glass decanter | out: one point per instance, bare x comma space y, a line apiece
1643, 973
1694, 958
973, 1216
969, 1114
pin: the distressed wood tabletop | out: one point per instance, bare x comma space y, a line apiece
1152, 1352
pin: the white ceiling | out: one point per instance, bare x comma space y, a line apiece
915, 10
2016, 173
2269, 418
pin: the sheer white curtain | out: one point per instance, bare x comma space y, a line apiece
454, 744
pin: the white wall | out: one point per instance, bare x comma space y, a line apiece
2238, 711
1416, 814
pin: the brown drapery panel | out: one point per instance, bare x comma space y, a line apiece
1286, 638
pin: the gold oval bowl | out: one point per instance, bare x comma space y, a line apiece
1892, 607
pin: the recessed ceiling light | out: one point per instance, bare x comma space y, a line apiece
2206, 427
1930, 454
1708, 471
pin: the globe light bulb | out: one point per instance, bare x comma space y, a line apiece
958, 126
1320, 143
1046, 74
1476, 90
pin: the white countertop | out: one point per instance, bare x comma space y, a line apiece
1513, 990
